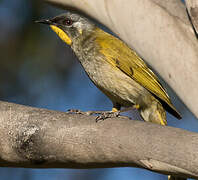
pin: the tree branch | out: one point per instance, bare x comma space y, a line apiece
159, 31
41, 138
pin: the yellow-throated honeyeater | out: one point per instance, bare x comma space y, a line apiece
114, 68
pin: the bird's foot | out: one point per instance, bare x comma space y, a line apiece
102, 115
107, 114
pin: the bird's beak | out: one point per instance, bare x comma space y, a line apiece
44, 21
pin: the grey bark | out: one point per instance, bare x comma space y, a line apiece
159, 31
41, 138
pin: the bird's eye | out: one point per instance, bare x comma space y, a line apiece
68, 22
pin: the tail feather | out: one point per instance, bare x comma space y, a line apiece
171, 109
154, 113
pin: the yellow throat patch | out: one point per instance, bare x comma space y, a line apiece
61, 34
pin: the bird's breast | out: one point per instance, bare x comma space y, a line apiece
111, 81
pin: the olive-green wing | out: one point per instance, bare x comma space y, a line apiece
121, 56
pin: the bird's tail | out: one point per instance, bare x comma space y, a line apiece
154, 113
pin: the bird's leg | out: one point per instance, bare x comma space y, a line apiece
115, 112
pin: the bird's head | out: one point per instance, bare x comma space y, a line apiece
69, 26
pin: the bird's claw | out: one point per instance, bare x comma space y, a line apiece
102, 115
107, 114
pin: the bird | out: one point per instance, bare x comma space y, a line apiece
115, 68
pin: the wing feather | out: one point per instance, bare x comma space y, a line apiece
121, 56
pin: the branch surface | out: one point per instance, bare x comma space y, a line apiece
41, 138
159, 31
